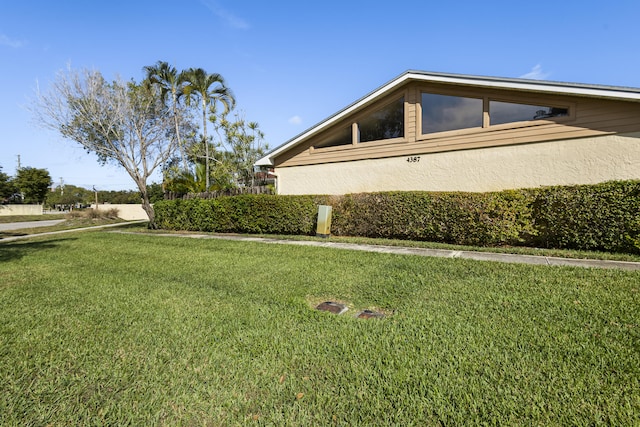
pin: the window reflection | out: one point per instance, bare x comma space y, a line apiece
343, 137
385, 123
508, 112
443, 112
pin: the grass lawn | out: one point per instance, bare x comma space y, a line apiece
100, 328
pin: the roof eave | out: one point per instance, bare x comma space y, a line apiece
592, 91
545, 86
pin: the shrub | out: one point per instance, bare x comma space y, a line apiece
463, 218
246, 213
592, 217
94, 214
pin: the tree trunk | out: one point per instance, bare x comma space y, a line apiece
146, 206
206, 143
185, 164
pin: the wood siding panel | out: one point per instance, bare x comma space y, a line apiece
411, 115
417, 148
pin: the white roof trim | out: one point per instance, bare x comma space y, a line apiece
539, 86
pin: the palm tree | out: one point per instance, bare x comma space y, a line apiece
170, 82
209, 88
184, 181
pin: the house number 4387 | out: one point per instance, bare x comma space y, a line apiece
413, 159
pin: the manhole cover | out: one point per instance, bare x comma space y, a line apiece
369, 314
332, 307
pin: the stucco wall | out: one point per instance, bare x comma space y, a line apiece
127, 212
575, 161
6, 210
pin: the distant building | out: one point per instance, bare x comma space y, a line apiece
450, 132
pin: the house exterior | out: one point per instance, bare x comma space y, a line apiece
449, 132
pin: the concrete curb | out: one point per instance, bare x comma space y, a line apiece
440, 253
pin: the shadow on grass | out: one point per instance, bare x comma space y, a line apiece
134, 225
17, 250
5, 234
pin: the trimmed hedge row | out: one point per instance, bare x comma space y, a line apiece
594, 217
461, 218
247, 213
591, 217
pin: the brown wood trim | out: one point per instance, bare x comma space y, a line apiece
587, 117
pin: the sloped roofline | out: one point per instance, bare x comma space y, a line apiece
540, 86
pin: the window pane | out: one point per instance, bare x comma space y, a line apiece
343, 137
442, 112
507, 112
383, 124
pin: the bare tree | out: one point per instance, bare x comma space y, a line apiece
122, 122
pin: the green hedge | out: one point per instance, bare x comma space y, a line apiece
461, 218
592, 217
241, 214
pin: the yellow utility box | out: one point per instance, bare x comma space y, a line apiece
324, 221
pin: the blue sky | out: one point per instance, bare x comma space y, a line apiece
292, 64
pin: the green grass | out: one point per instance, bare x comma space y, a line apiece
102, 328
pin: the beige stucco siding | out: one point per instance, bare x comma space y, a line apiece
560, 162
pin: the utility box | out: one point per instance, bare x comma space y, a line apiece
324, 221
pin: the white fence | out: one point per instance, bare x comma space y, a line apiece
6, 210
127, 212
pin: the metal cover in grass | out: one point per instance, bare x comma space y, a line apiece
332, 307
370, 314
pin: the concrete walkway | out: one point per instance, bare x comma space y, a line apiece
29, 224
441, 253
72, 230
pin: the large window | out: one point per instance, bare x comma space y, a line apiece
385, 123
441, 113
444, 112
342, 137
508, 112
